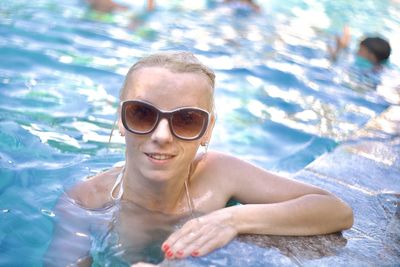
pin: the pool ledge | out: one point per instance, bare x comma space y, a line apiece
366, 174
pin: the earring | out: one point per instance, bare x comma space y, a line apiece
205, 145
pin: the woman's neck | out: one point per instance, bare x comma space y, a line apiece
162, 196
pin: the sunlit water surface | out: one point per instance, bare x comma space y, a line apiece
280, 102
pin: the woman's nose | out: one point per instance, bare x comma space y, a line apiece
162, 132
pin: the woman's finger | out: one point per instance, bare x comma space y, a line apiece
220, 239
200, 236
188, 230
188, 244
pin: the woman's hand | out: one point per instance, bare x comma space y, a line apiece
202, 235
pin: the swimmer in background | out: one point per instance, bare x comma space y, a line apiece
364, 72
106, 9
167, 198
374, 50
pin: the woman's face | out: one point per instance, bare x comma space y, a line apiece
159, 155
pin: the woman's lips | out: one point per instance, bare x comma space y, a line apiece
159, 157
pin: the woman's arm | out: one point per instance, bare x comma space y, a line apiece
311, 214
282, 206
71, 240
271, 205
77, 213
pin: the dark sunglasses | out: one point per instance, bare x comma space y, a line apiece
185, 123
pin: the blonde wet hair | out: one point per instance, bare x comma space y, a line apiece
176, 61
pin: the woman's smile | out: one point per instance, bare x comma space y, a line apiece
160, 158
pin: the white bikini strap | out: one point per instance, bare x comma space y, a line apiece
118, 181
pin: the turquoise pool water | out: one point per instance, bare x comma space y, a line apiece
280, 102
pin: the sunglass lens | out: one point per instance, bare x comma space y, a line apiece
189, 123
140, 118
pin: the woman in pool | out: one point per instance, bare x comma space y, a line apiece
166, 114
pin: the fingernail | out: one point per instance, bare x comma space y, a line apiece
179, 253
170, 255
195, 253
165, 247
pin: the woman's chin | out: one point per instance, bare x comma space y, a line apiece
158, 176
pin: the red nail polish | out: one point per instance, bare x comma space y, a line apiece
165, 247
170, 254
195, 253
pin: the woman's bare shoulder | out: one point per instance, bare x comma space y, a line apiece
217, 166
222, 168
94, 192
214, 161
213, 156
207, 161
